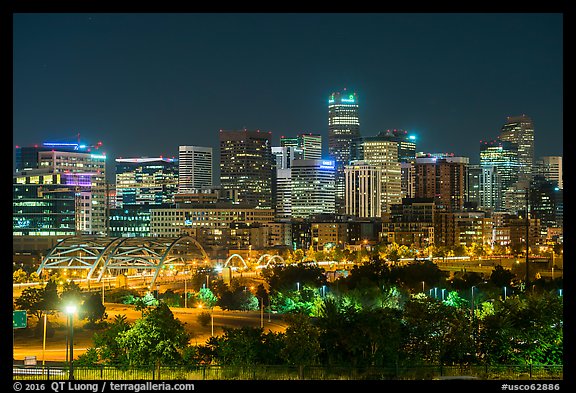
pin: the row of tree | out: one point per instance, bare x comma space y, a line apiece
413, 330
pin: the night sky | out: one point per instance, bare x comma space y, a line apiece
143, 84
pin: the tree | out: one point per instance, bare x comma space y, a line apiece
302, 345
71, 294
19, 276
436, 332
412, 275
93, 310
206, 297
50, 298
142, 303
501, 277
34, 277
110, 351
158, 338
289, 277
32, 301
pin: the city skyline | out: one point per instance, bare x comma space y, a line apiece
144, 84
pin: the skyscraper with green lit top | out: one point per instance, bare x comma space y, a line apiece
343, 128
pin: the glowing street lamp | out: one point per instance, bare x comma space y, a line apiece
71, 310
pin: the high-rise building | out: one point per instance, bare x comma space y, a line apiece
312, 188
473, 180
405, 142
442, 179
146, 181
503, 155
283, 156
383, 153
194, 168
44, 204
85, 170
520, 131
551, 168
246, 166
282, 187
407, 185
305, 146
546, 203
363, 189
343, 127
491, 194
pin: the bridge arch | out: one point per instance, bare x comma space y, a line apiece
235, 256
140, 253
270, 258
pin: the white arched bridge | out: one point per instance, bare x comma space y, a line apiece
269, 259
99, 255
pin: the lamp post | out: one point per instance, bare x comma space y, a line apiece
473, 286
185, 291
298, 286
504, 293
212, 321
70, 310
262, 312
422, 286
44, 339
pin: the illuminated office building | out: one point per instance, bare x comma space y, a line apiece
519, 130
380, 151
84, 168
194, 168
146, 181
43, 204
282, 187
442, 179
363, 189
503, 155
551, 168
312, 188
306, 146
343, 127
246, 166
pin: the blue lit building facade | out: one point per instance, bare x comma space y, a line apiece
56, 169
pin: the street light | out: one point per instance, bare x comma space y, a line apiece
261, 312
422, 286
504, 293
185, 291
70, 310
298, 286
473, 286
44, 339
